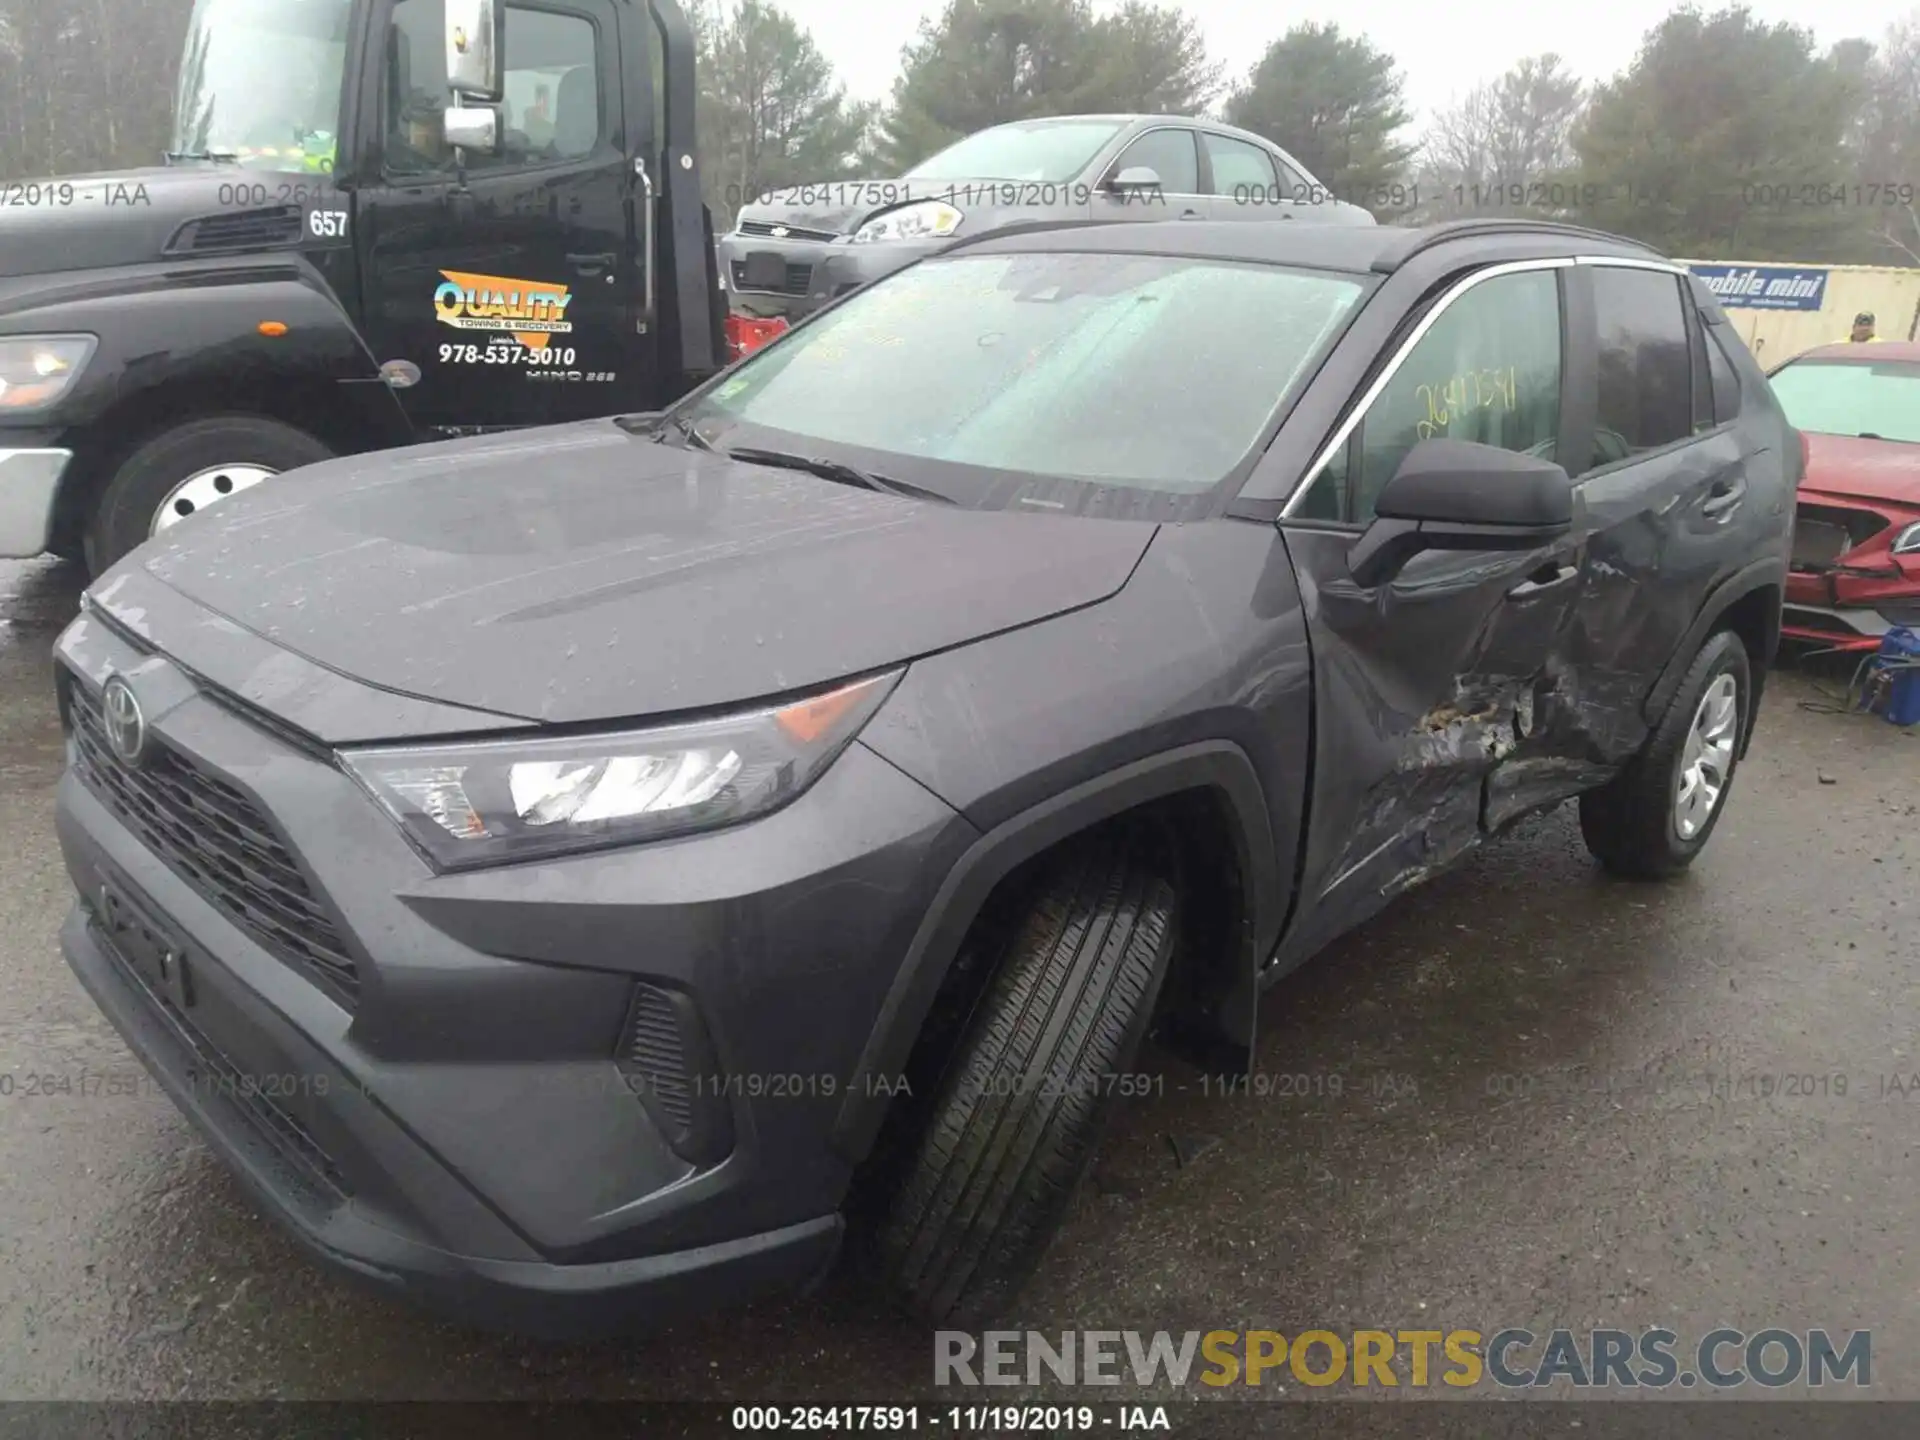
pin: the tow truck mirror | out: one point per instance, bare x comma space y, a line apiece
476, 40
473, 128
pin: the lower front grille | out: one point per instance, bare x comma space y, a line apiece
212, 1074
214, 838
797, 281
666, 1055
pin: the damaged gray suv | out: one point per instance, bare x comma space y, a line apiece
581, 875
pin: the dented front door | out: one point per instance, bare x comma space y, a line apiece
1444, 698
1436, 697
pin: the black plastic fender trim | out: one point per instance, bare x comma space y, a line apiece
1218, 766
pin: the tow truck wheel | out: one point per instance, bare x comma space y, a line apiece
181, 472
1015, 1123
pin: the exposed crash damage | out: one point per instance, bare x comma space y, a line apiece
1498, 751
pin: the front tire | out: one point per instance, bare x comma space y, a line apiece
1015, 1124
183, 470
1653, 818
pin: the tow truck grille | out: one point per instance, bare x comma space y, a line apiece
215, 839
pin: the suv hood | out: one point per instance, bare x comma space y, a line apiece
1864, 469
583, 574
89, 222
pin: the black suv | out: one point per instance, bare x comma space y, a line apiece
566, 874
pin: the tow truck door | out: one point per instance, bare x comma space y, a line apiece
512, 285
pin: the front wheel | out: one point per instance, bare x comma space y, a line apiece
1015, 1126
1654, 817
184, 471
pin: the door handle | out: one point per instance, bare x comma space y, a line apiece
1547, 577
1724, 498
1191, 215
591, 264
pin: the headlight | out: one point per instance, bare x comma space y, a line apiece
36, 370
1907, 542
927, 220
493, 802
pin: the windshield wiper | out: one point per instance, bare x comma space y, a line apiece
226, 157
836, 470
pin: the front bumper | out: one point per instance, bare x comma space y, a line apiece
462, 1125
29, 481
803, 275
1847, 588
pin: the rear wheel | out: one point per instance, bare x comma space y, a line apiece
1016, 1123
187, 470
1655, 816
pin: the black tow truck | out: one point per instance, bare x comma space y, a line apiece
380, 222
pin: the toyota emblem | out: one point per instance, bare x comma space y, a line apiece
126, 726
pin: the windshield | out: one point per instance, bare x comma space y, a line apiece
1036, 150
1144, 372
1848, 398
261, 82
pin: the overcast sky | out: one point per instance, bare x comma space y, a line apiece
1442, 49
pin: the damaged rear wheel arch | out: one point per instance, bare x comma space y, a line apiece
1749, 606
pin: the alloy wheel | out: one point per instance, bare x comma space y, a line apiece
1706, 761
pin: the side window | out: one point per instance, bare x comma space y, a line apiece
415, 98
552, 109
1297, 187
1725, 379
1646, 372
1488, 371
1171, 155
1239, 169
552, 106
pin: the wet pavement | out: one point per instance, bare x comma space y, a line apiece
1525, 1096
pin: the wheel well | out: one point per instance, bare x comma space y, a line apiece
103, 445
1194, 833
1755, 619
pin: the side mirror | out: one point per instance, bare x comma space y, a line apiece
473, 128
1458, 495
1134, 177
476, 33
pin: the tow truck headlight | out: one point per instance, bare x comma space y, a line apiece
1907, 542
36, 370
926, 220
495, 802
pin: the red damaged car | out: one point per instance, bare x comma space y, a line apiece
1856, 546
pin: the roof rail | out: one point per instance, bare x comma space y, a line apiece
1414, 241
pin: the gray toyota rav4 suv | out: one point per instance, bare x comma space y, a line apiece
568, 875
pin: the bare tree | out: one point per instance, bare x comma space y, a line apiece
86, 84
1505, 147
1888, 144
